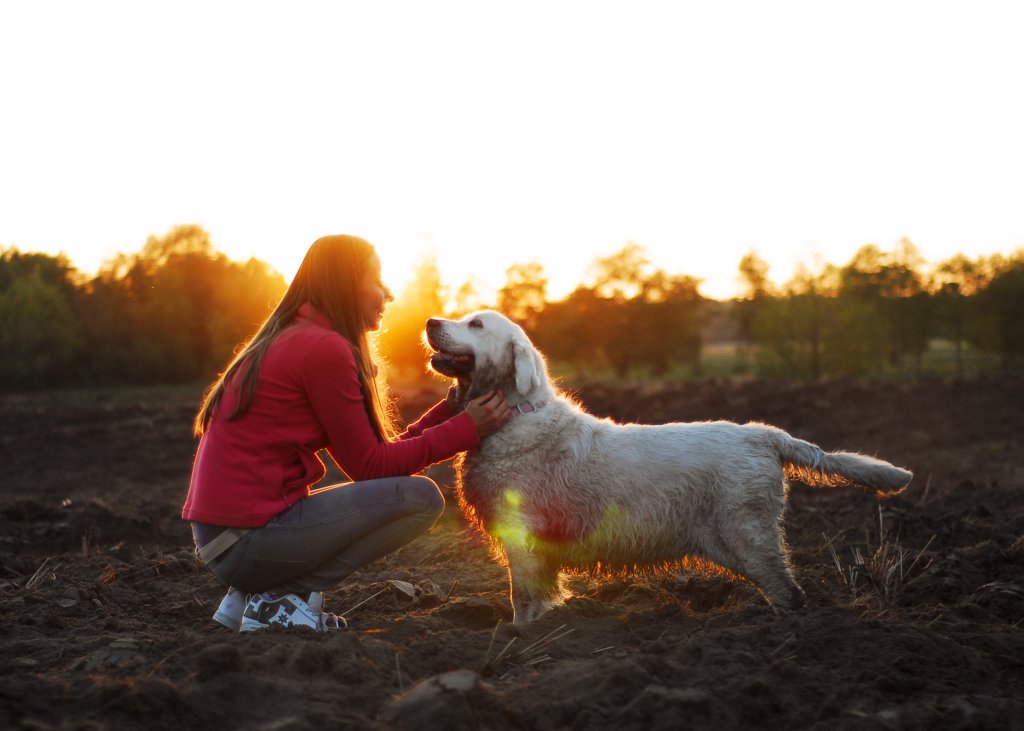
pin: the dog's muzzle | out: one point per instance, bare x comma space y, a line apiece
444, 361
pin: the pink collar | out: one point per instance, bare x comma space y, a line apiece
527, 408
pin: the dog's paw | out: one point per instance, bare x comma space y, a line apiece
535, 609
793, 600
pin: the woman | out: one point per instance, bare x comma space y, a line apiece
305, 382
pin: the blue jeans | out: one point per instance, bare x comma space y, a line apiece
326, 536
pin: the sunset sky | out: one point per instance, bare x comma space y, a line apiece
493, 133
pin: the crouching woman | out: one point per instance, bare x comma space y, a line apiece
304, 382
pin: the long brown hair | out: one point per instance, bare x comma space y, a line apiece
328, 279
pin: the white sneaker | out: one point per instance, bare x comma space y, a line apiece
289, 610
231, 608
233, 605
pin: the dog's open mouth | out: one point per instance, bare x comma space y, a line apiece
452, 365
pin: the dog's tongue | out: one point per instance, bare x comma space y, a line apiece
453, 357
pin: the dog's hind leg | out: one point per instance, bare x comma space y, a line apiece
773, 576
533, 583
754, 535
763, 560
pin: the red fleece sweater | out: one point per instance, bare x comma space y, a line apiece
307, 398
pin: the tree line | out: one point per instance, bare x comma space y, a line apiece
176, 311
877, 315
172, 313
881, 312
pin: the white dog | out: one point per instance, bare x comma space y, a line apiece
558, 488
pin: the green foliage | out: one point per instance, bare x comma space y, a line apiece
39, 338
883, 313
54, 271
524, 294
172, 313
752, 302
998, 315
871, 317
578, 329
176, 311
790, 330
631, 319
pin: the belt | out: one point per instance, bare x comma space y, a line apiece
212, 550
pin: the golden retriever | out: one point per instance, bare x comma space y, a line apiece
557, 488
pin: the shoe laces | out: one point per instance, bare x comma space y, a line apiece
332, 622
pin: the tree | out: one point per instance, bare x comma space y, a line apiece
756, 291
245, 296
997, 325
467, 298
405, 319
573, 330
790, 330
175, 311
39, 338
111, 324
524, 293
952, 283
665, 328
621, 275
883, 310
184, 240
631, 318
56, 271
40, 342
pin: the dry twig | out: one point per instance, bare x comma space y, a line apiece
39, 575
372, 596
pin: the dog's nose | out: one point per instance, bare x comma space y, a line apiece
433, 322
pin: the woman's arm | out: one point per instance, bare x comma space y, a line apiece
437, 414
331, 382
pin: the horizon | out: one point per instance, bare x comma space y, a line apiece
488, 293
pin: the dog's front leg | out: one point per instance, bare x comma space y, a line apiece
533, 583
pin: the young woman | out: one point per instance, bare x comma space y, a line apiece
305, 382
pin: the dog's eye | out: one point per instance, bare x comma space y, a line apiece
476, 323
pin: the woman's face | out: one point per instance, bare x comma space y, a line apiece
373, 295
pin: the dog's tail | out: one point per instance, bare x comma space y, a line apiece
811, 464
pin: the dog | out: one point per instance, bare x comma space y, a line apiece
557, 488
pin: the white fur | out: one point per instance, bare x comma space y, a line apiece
560, 488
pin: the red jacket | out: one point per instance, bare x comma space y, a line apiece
307, 398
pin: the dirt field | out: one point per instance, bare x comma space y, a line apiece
914, 618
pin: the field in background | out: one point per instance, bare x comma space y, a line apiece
731, 360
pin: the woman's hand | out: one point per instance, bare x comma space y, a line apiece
489, 412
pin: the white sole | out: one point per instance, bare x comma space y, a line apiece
225, 619
251, 625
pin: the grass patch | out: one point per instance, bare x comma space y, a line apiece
731, 359
874, 574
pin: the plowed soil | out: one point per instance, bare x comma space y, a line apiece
914, 616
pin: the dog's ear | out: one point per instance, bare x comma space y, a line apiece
529, 368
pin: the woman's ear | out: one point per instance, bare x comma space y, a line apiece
528, 366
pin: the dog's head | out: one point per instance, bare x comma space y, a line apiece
484, 351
